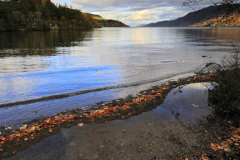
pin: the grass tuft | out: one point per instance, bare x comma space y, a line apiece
225, 95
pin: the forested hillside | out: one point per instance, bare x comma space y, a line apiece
108, 22
43, 15
38, 15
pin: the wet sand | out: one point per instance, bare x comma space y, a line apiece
158, 132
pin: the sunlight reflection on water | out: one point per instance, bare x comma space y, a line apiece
42, 64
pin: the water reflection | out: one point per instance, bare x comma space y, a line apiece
213, 37
69, 61
44, 43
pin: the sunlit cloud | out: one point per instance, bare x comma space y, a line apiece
134, 12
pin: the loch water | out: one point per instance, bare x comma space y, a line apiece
46, 72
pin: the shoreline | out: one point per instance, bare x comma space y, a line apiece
29, 135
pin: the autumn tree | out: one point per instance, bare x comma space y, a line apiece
39, 7
31, 16
38, 16
49, 9
16, 16
34, 2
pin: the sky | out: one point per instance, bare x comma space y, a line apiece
134, 12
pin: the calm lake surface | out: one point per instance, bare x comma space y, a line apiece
54, 68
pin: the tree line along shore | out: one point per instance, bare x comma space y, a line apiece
45, 15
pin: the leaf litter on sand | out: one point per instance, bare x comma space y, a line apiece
123, 109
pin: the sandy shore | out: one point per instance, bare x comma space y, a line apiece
156, 123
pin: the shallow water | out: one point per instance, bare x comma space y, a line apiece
47, 65
154, 133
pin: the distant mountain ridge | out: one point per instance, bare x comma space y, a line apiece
141, 25
209, 16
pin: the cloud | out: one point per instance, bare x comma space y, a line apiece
134, 12
133, 5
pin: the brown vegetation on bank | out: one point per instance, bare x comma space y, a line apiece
223, 21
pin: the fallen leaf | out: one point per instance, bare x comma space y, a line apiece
227, 149
204, 158
212, 144
23, 127
214, 148
194, 105
230, 122
50, 130
80, 124
238, 137
1, 149
231, 127
25, 139
7, 128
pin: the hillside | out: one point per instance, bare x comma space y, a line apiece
209, 16
108, 22
45, 15
41, 15
98, 17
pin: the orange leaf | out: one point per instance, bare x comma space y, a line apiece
204, 158
214, 148
25, 139
80, 124
206, 131
212, 144
1, 149
50, 130
227, 149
